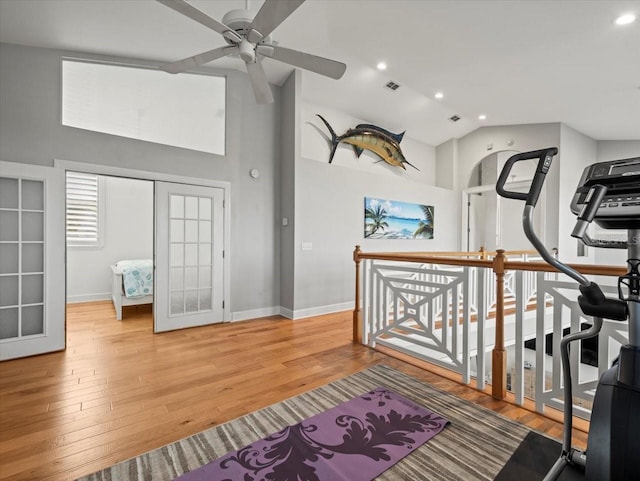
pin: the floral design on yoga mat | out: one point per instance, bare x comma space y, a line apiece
292, 453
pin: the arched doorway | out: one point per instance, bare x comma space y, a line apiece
488, 219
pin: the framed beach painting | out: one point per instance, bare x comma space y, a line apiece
392, 219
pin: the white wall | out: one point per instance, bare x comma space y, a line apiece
315, 145
330, 216
128, 234
329, 209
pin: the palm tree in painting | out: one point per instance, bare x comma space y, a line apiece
374, 220
425, 226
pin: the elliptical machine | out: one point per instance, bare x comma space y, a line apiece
609, 194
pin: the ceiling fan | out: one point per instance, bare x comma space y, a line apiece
250, 40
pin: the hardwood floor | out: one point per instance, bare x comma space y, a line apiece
119, 390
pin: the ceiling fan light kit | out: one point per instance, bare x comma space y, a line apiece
248, 37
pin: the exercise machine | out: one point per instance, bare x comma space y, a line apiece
609, 195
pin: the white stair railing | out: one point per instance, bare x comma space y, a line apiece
557, 311
425, 311
444, 314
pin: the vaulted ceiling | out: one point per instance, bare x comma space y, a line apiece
517, 62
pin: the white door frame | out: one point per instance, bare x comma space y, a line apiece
179, 179
466, 193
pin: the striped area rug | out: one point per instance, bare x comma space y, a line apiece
475, 446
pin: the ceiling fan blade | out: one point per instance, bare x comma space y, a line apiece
306, 61
197, 60
272, 14
259, 82
199, 16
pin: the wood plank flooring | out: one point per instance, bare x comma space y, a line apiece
120, 390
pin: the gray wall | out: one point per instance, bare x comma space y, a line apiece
576, 152
323, 203
618, 149
488, 173
614, 150
31, 132
473, 147
290, 148
446, 168
269, 273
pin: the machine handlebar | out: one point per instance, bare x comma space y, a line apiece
544, 157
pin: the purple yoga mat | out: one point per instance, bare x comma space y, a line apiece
354, 441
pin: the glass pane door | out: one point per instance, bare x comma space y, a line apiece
31, 260
189, 248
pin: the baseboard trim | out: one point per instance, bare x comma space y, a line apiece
320, 310
290, 314
255, 313
106, 296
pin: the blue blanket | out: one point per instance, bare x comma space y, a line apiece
137, 277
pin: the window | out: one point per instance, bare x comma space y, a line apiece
184, 110
85, 204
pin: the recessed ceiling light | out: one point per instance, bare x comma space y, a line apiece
482, 117
381, 66
439, 95
625, 19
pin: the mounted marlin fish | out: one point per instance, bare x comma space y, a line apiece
381, 142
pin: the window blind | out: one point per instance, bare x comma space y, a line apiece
82, 209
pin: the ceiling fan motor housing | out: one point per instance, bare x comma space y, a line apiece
240, 20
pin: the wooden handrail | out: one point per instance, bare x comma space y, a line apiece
427, 258
438, 253
499, 264
519, 253
588, 269
422, 258
481, 253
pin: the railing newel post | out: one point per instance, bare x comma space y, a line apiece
499, 357
357, 328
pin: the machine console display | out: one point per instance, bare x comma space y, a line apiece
620, 208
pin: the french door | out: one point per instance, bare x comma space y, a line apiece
188, 256
32, 260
